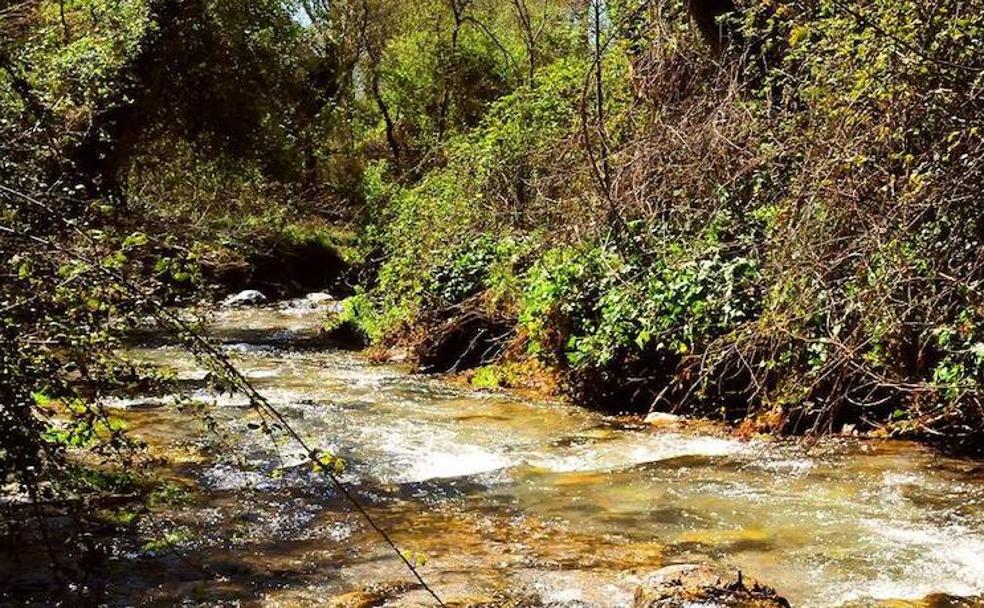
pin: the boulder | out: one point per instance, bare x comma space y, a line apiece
685, 585
247, 297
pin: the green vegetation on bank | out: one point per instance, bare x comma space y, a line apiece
788, 232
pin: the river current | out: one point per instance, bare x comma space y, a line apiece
493, 492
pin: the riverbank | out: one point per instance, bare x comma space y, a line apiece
786, 233
473, 353
515, 373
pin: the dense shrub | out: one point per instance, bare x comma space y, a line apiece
791, 230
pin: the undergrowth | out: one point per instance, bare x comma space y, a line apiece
788, 234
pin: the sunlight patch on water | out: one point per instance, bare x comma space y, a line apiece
467, 460
577, 589
412, 453
225, 477
794, 467
921, 560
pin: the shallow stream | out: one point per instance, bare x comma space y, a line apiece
491, 491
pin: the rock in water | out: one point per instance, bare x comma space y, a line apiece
687, 585
662, 419
248, 297
313, 301
319, 298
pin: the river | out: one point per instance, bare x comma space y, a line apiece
490, 491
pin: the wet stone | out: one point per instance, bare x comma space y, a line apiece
687, 585
375, 595
248, 297
662, 419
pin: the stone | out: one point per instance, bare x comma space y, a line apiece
685, 585
662, 419
319, 297
371, 596
247, 297
318, 300
358, 599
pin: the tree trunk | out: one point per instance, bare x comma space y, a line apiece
374, 88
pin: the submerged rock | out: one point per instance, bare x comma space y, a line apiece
247, 297
687, 585
372, 595
936, 600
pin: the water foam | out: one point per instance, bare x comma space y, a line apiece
635, 450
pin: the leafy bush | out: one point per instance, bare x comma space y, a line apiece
790, 231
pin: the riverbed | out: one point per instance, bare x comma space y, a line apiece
493, 493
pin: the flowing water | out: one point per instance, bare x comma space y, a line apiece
491, 491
